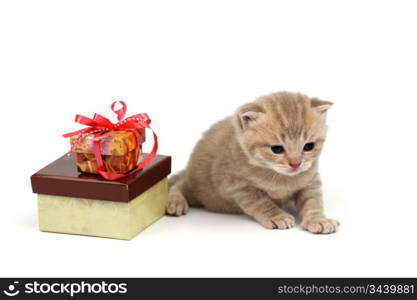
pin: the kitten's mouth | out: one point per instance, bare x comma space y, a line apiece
288, 171
292, 171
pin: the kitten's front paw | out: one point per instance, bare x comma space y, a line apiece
177, 205
320, 225
281, 221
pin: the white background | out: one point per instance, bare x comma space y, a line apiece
188, 64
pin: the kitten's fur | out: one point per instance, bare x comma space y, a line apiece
233, 169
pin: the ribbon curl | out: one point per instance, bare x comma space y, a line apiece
99, 125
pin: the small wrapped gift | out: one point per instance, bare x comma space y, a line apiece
121, 151
86, 204
113, 150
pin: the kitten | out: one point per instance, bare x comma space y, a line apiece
257, 160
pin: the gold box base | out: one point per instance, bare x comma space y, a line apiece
108, 219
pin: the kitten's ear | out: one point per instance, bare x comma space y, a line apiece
247, 115
321, 105
248, 118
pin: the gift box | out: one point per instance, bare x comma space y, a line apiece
73, 202
113, 150
121, 151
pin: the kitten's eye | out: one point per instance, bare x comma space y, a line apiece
277, 149
308, 146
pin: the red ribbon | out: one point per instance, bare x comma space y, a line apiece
99, 125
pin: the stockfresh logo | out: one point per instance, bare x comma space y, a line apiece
72, 288
12, 290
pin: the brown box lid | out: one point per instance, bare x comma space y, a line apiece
62, 178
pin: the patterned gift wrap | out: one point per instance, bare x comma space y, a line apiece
121, 151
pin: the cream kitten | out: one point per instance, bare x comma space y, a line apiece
256, 161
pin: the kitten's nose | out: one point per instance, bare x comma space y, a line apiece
294, 163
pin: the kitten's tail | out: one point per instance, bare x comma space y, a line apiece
177, 204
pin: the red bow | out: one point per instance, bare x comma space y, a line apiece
99, 124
